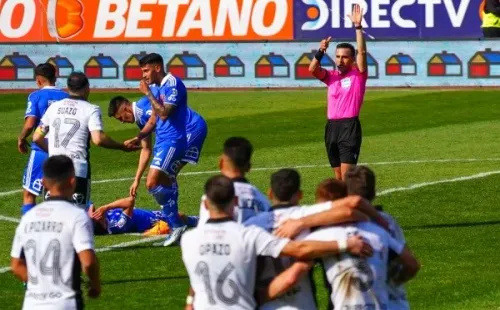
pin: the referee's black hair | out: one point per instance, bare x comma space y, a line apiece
46, 70
77, 82
115, 104
348, 46
360, 180
219, 190
239, 150
58, 168
151, 59
285, 183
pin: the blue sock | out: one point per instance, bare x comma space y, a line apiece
167, 198
26, 207
192, 221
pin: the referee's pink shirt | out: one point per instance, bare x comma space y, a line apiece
345, 93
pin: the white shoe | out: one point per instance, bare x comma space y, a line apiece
175, 235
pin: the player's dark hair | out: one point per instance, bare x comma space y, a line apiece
77, 82
220, 191
348, 46
46, 70
151, 59
331, 189
98, 229
285, 183
115, 104
58, 168
360, 180
239, 150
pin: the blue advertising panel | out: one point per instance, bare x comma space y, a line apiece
389, 19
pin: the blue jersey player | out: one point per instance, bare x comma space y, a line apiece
139, 113
38, 102
168, 97
121, 216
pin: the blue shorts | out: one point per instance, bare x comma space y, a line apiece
33, 173
168, 157
195, 140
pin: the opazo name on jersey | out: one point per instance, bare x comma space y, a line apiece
215, 248
67, 110
43, 226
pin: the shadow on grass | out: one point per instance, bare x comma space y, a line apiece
451, 225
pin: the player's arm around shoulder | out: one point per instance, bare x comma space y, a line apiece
311, 248
410, 264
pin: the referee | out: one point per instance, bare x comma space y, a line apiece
346, 89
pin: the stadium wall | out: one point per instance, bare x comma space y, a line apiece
207, 65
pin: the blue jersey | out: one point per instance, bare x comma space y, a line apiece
171, 91
39, 101
141, 220
142, 112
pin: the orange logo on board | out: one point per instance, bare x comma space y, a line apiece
64, 18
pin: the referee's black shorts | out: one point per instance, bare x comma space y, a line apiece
343, 141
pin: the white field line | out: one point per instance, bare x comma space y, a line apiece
382, 193
9, 219
424, 184
382, 163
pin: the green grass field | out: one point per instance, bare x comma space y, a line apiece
412, 139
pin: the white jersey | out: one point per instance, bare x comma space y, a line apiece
398, 299
358, 283
49, 236
70, 122
250, 202
221, 258
301, 296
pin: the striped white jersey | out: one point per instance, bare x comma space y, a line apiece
69, 123
250, 202
49, 237
221, 257
358, 283
301, 296
398, 299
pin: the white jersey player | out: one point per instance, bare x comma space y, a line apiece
361, 283
221, 255
235, 163
398, 299
46, 240
286, 195
250, 202
69, 125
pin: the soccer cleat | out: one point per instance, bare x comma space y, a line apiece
175, 235
159, 228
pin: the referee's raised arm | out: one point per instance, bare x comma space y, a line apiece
346, 89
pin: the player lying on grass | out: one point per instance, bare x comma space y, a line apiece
121, 216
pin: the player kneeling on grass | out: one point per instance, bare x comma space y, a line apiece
121, 216
221, 256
